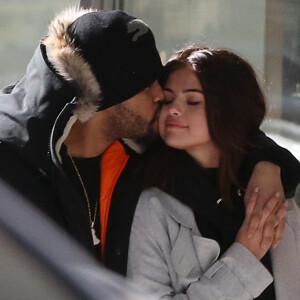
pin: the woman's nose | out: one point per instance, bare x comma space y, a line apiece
174, 110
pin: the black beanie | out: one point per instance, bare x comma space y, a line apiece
121, 51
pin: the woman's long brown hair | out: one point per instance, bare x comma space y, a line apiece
235, 108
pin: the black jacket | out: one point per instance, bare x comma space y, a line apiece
34, 113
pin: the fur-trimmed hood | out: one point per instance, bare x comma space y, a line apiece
69, 64
108, 56
37, 112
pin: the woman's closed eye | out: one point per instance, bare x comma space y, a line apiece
189, 102
193, 102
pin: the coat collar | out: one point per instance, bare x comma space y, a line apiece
180, 212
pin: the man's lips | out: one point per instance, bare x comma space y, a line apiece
175, 124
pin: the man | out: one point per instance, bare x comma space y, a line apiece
92, 81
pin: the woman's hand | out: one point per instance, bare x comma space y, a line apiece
266, 176
255, 244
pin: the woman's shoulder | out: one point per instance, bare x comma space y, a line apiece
154, 199
166, 205
154, 192
153, 196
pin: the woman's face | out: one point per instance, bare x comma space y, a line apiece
182, 120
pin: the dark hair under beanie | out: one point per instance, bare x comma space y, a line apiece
121, 52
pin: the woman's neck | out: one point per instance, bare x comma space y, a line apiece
207, 156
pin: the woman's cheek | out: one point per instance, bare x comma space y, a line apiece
161, 122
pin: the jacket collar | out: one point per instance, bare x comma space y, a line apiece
178, 211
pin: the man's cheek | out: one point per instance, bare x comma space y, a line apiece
155, 126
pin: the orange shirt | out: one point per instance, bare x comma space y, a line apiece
113, 162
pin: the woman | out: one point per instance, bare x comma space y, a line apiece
190, 240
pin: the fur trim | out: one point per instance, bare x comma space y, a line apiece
66, 132
70, 64
136, 147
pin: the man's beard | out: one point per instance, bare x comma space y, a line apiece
125, 123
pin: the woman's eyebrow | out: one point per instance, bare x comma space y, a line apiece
193, 90
185, 91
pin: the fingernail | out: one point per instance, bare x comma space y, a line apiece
277, 194
286, 204
256, 189
266, 246
250, 235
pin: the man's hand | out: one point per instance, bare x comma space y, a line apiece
266, 177
254, 244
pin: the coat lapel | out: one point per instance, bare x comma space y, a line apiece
192, 254
207, 251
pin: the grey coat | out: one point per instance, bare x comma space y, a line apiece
168, 255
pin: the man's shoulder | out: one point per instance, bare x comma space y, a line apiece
11, 162
32, 183
22, 176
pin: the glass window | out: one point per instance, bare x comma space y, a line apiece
23, 24
265, 32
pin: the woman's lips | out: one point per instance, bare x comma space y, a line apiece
175, 124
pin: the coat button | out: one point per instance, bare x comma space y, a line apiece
118, 251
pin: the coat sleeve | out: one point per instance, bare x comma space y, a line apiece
238, 275
267, 150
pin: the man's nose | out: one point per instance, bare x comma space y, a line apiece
157, 92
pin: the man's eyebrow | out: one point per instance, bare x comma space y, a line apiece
185, 91
168, 90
